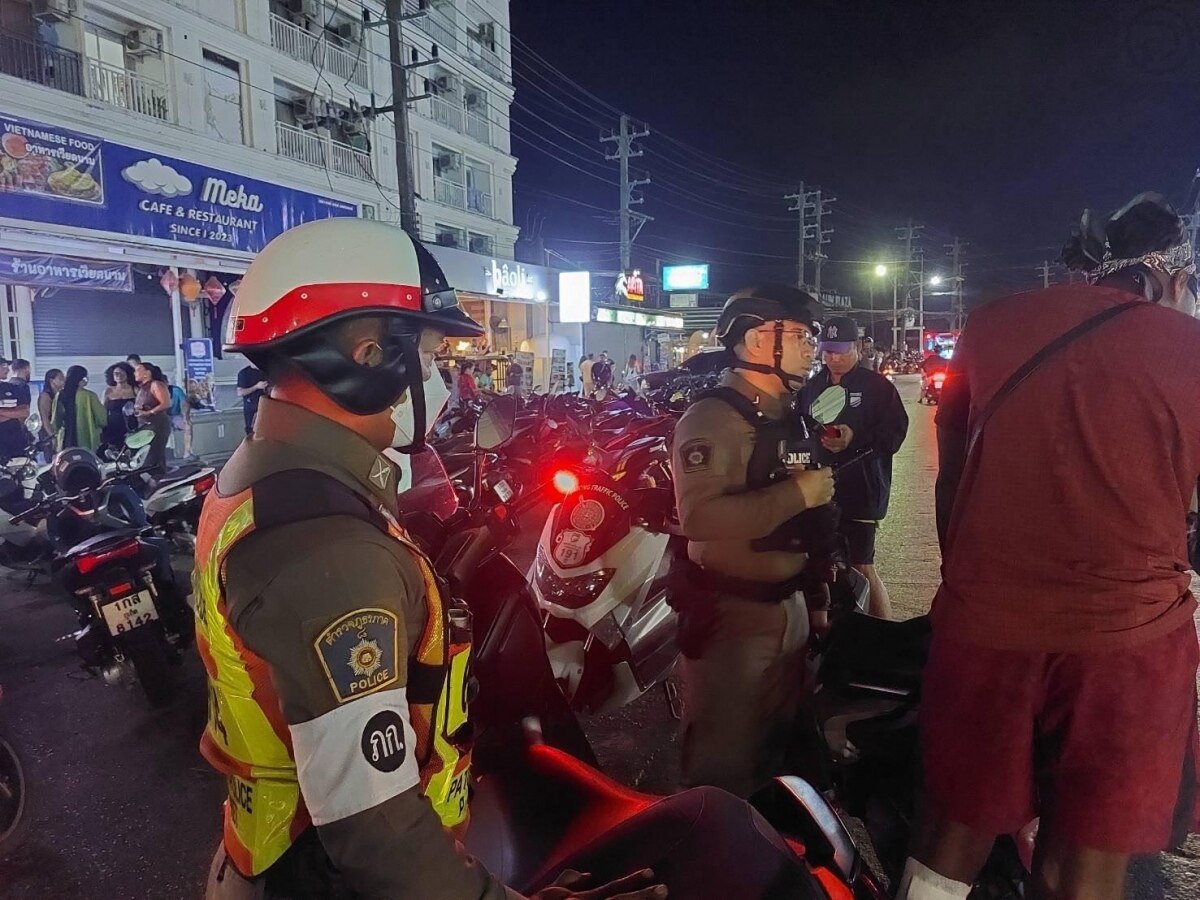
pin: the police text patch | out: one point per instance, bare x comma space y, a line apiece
358, 652
696, 455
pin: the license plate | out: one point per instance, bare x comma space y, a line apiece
503, 491
127, 613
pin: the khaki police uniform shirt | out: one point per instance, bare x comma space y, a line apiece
719, 514
289, 590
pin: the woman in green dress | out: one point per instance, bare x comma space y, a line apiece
79, 416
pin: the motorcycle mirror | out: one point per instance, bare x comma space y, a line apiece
497, 423
34, 423
829, 404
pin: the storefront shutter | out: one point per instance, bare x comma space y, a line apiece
77, 323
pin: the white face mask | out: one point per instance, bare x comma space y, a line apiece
437, 395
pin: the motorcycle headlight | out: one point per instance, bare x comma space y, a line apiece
573, 593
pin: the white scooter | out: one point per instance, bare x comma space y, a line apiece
172, 499
599, 577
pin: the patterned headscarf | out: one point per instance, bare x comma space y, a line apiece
1146, 231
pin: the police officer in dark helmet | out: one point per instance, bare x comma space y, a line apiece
744, 624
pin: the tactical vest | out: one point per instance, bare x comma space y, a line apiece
774, 439
247, 738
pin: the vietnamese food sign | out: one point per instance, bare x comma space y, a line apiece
57, 176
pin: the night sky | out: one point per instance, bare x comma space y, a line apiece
994, 121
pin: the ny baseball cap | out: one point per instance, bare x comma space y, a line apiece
839, 334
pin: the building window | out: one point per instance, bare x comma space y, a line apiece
449, 236
480, 243
224, 117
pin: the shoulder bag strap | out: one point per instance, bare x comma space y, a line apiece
1034, 363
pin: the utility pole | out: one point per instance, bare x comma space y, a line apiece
909, 233
956, 252
394, 17
820, 234
1044, 271
624, 140
799, 197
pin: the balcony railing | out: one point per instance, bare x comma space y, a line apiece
292, 40
39, 62
322, 151
447, 112
440, 26
479, 127
450, 193
128, 90
487, 60
479, 202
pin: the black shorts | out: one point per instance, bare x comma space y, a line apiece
860, 538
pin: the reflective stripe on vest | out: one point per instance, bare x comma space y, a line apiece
247, 738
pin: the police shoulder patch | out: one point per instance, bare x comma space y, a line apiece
696, 455
358, 652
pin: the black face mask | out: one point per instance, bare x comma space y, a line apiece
362, 390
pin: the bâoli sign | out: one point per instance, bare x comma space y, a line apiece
57, 176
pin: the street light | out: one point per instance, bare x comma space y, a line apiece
881, 270
935, 280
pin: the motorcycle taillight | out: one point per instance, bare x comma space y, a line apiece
203, 485
89, 562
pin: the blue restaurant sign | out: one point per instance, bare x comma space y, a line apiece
56, 176
40, 270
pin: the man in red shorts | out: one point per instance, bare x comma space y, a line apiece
1062, 677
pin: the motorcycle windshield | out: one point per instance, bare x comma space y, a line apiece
429, 489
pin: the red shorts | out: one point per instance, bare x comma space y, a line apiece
1102, 745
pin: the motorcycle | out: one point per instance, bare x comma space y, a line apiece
860, 740
931, 387
172, 500
600, 571
131, 610
14, 795
528, 744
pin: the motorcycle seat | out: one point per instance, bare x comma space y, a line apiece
882, 653
525, 820
93, 544
171, 476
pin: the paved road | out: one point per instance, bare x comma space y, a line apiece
126, 808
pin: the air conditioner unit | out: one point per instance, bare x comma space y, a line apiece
485, 33
444, 83
446, 239
143, 42
307, 110
354, 126
482, 245
310, 8
444, 161
53, 10
351, 32
474, 100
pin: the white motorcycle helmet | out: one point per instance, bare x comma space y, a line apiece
325, 272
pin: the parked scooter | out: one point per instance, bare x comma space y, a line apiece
132, 611
600, 573
538, 801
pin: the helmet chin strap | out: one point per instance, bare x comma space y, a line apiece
790, 381
416, 395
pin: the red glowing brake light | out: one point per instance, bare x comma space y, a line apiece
565, 481
205, 484
89, 562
